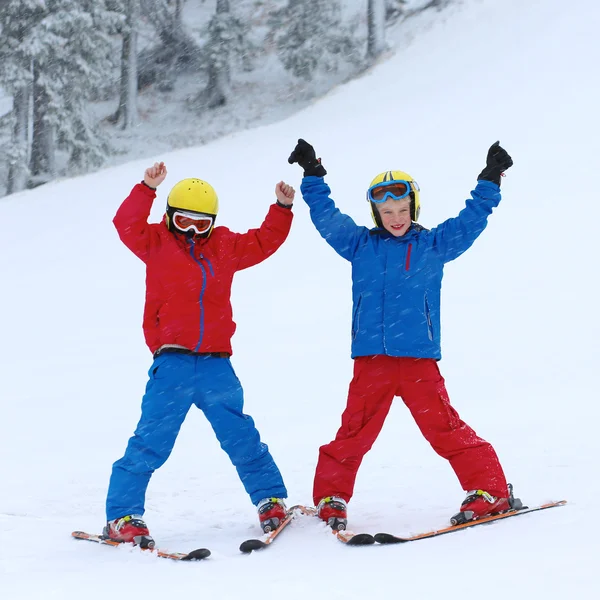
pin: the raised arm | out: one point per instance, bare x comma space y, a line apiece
254, 246
452, 237
338, 229
131, 220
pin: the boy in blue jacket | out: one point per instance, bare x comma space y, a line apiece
397, 270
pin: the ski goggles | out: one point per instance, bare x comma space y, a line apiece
198, 223
396, 189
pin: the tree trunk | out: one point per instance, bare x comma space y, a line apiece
215, 94
17, 170
127, 113
42, 163
178, 11
216, 91
376, 28
129, 67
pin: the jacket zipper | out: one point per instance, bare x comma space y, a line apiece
407, 263
202, 290
429, 323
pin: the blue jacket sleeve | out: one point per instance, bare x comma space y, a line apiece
452, 237
338, 229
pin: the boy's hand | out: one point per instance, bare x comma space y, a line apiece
304, 155
155, 175
285, 193
498, 160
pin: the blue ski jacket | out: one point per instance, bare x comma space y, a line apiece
396, 281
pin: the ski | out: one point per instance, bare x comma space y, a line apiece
354, 539
388, 538
268, 538
198, 554
345, 536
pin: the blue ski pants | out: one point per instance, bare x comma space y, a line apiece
176, 381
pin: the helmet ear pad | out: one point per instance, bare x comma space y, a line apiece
414, 210
376, 216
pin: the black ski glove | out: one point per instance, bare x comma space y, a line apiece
498, 160
304, 155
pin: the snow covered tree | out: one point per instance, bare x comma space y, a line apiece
74, 58
176, 51
227, 41
310, 35
63, 47
376, 28
394, 9
17, 20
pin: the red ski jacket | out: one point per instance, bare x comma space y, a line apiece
188, 284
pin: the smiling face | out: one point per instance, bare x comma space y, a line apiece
395, 216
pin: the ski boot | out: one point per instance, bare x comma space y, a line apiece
479, 504
333, 510
271, 512
129, 529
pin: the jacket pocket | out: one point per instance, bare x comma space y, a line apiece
153, 373
356, 318
428, 318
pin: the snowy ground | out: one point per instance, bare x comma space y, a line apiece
520, 338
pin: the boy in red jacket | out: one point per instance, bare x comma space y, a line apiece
188, 325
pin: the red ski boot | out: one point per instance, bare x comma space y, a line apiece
271, 512
479, 504
129, 529
333, 511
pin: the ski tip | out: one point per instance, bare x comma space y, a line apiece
250, 545
361, 539
355, 539
199, 554
82, 535
388, 538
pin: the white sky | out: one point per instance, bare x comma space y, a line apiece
520, 331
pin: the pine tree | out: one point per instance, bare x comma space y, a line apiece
176, 51
18, 18
227, 42
394, 9
65, 50
77, 60
311, 36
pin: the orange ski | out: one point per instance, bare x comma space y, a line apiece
198, 554
345, 536
388, 538
268, 538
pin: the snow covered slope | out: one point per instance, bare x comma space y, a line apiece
520, 338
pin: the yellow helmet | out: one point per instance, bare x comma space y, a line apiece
387, 178
192, 196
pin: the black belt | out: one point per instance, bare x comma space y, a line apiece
187, 351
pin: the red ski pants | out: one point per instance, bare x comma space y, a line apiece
377, 379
